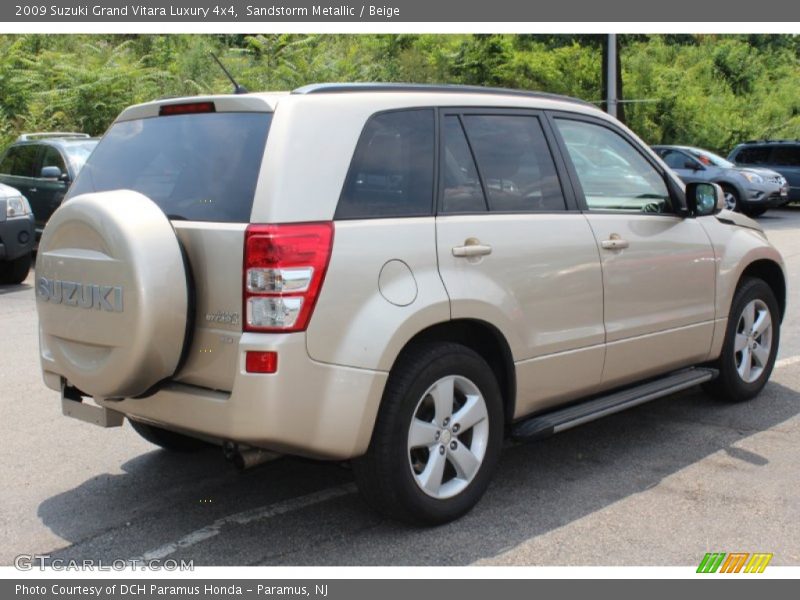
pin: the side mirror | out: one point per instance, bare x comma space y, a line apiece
51, 173
704, 199
693, 165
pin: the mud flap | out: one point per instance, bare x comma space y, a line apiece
72, 405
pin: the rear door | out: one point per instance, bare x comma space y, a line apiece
514, 251
658, 267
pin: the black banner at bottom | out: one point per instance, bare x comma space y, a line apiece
383, 589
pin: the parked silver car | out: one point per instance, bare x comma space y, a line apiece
751, 190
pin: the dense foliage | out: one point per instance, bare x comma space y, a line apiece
711, 91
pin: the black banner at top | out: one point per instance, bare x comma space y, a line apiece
407, 11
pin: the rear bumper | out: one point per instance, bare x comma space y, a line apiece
307, 408
16, 237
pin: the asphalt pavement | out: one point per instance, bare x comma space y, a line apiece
661, 484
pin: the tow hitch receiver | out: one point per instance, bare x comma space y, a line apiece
72, 405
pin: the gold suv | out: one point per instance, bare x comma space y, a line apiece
396, 275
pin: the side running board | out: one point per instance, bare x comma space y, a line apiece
544, 425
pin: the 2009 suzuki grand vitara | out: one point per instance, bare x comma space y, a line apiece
394, 274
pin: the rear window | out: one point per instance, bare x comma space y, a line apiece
391, 174
196, 167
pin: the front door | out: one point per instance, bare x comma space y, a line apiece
658, 267
50, 191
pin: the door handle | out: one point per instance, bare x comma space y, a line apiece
614, 242
472, 247
34, 190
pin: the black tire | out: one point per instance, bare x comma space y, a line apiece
730, 385
732, 200
15, 271
168, 440
385, 475
754, 212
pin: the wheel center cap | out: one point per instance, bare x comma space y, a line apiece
445, 437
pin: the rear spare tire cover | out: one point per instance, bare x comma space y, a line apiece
112, 294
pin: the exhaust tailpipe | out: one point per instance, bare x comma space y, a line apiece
245, 457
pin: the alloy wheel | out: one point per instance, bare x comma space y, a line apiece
753, 342
448, 437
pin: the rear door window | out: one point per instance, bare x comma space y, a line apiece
196, 167
515, 163
21, 161
391, 174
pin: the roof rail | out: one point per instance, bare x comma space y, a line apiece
773, 141
27, 137
343, 88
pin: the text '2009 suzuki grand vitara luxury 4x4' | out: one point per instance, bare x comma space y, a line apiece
397, 275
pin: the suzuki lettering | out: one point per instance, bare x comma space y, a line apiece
84, 295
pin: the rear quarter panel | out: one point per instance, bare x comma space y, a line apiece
366, 313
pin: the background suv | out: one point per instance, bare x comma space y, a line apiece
42, 166
749, 190
782, 156
394, 275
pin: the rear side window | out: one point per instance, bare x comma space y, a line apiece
196, 167
785, 156
391, 174
753, 155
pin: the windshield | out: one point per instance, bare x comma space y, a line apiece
77, 153
709, 158
196, 167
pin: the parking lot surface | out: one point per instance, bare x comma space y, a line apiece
661, 484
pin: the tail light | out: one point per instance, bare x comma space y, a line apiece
284, 267
189, 108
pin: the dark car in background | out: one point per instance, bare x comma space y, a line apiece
42, 166
750, 190
782, 156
